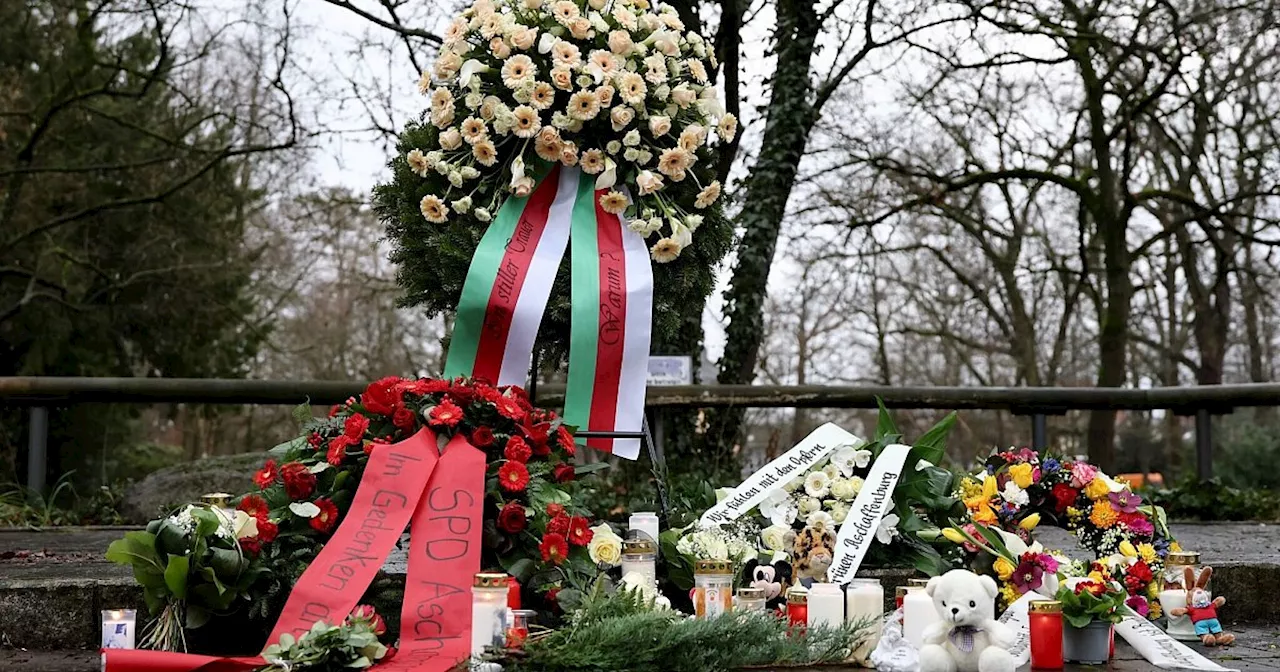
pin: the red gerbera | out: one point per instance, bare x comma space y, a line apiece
338, 449
562, 473
382, 396
355, 427
509, 408
513, 476
255, 506
327, 519
517, 450
266, 475
298, 481
580, 531
511, 519
554, 548
554, 509
482, 437
267, 531
558, 525
566, 440
445, 414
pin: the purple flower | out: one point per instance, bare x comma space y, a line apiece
1047, 562
1125, 501
1140, 526
1139, 604
1028, 576
1051, 465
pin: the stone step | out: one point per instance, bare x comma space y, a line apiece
54, 584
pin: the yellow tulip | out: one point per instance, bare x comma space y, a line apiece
1029, 523
1097, 489
1127, 549
1097, 576
1022, 474
984, 515
953, 535
1004, 569
989, 488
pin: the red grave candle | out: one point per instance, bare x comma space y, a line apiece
797, 608
513, 593
1045, 618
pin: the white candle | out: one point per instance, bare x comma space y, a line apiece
118, 628
1179, 627
864, 599
646, 522
488, 611
826, 605
918, 613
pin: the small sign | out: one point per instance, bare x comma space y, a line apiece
671, 370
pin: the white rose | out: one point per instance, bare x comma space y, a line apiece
648, 181
856, 482
774, 537
631, 139
842, 489
659, 126
794, 484
808, 505
620, 116
684, 96
620, 42
839, 511
605, 546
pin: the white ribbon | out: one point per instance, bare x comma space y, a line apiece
1162, 650
873, 501
1015, 616
777, 473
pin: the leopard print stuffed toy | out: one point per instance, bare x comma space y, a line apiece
811, 554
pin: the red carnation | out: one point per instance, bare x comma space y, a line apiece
267, 531
517, 450
487, 392
554, 509
563, 473
327, 519
355, 426
558, 525
382, 396
338, 449
1063, 497
580, 531
508, 408
250, 545
513, 476
298, 481
445, 414
554, 548
511, 518
566, 440
255, 506
266, 476
1141, 571
482, 437
404, 419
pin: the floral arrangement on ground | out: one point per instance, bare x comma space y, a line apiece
618, 89
205, 561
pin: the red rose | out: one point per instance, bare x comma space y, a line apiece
517, 450
369, 615
554, 509
298, 481
487, 393
404, 419
266, 476
554, 548
355, 426
1063, 497
511, 518
552, 594
513, 476
445, 414
462, 392
482, 437
580, 531
267, 531
563, 473
509, 408
382, 396
391, 653
1140, 571
338, 449
255, 506
538, 435
558, 525
250, 545
327, 519
566, 440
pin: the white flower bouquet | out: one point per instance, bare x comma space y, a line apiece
617, 88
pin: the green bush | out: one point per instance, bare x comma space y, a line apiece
1243, 446
1191, 499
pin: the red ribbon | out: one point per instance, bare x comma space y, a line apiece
403, 482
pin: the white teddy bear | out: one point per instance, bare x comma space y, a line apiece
968, 638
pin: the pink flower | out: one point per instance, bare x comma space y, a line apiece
1125, 501
1139, 604
1082, 474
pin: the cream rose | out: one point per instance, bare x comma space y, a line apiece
524, 38
621, 116
683, 96
648, 182
659, 125
605, 546
774, 537
451, 139
619, 43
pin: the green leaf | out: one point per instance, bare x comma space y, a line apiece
521, 569
171, 539
227, 564
283, 449
885, 426
996, 542
197, 616
136, 548
148, 577
175, 575
302, 413
155, 601
1078, 621
590, 468
932, 446
207, 522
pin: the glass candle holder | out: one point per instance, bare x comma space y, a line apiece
518, 630
119, 628
712, 587
864, 601
640, 555
1045, 617
488, 611
645, 522
749, 599
826, 605
1173, 593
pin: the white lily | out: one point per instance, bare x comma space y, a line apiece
546, 43
609, 177
470, 69
1017, 547
780, 508
517, 170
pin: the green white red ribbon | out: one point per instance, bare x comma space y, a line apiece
509, 283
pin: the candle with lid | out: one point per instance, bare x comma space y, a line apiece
489, 593
826, 605
749, 599
646, 522
712, 587
640, 554
1045, 617
1173, 595
797, 606
118, 628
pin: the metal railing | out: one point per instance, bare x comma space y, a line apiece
40, 393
